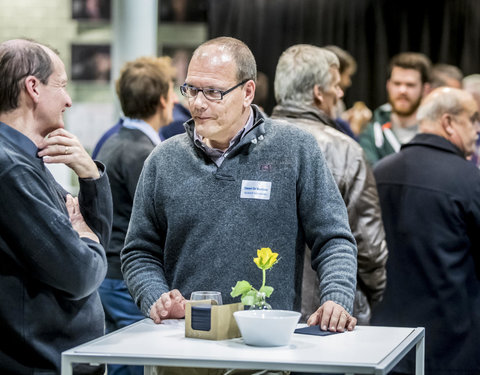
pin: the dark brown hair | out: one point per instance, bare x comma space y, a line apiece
412, 60
346, 60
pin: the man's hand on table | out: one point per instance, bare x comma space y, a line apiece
170, 305
333, 317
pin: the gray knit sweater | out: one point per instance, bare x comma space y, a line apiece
190, 228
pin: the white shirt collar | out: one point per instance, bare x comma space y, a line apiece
141, 125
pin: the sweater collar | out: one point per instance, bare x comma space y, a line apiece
434, 141
250, 135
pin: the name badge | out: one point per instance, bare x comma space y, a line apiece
256, 189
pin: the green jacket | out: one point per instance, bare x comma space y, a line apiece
377, 139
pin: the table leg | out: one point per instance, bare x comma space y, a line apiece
420, 357
66, 366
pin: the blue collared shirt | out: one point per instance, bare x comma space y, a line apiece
141, 125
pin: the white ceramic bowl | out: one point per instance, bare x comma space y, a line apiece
267, 327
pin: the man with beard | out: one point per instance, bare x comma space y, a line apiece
395, 123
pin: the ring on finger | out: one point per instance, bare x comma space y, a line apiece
66, 150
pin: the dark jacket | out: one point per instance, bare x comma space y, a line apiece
356, 183
48, 275
430, 197
374, 139
123, 154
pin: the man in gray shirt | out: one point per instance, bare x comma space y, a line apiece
234, 183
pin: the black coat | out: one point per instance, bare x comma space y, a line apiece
430, 199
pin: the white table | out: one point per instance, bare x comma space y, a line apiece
366, 350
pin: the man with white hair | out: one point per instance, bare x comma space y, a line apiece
430, 199
307, 89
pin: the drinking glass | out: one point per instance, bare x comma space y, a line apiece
203, 294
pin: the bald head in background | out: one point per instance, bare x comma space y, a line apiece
452, 114
430, 199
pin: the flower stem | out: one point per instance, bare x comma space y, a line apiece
264, 277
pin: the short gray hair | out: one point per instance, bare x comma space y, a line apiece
299, 69
441, 101
242, 55
20, 58
440, 73
471, 83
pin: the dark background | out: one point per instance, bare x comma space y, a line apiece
447, 31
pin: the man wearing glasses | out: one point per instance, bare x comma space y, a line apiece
430, 199
234, 183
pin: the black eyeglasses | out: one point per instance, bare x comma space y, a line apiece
211, 94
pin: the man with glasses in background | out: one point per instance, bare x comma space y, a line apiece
234, 183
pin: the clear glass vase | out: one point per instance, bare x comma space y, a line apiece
261, 303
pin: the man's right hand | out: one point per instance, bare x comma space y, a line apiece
170, 305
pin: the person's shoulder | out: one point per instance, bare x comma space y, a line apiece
16, 166
389, 163
469, 170
10, 156
336, 136
282, 128
175, 146
111, 145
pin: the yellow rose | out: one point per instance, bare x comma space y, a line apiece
265, 258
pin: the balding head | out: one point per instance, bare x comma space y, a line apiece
235, 49
20, 58
450, 113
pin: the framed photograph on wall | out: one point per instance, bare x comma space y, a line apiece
91, 10
180, 59
91, 62
182, 10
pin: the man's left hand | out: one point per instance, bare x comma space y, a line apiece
333, 317
60, 146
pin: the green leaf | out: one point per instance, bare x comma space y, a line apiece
268, 290
241, 288
250, 298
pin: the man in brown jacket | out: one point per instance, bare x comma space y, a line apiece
307, 90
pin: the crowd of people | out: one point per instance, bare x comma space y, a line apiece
375, 214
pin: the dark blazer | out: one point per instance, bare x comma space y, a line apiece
430, 199
123, 155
